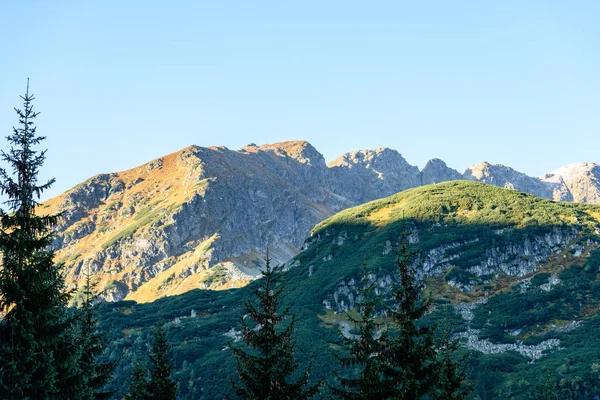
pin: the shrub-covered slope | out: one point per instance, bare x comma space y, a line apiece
515, 277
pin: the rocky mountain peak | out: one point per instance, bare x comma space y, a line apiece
299, 150
382, 157
498, 175
437, 171
571, 172
484, 171
364, 175
582, 180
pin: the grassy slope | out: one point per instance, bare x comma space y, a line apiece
443, 213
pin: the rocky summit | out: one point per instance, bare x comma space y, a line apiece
203, 217
581, 181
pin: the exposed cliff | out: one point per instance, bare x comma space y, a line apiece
436, 171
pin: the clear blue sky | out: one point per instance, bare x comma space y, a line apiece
122, 82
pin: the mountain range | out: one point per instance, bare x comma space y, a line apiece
203, 217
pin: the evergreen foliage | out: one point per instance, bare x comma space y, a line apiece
94, 374
547, 390
451, 377
37, 347
265, 370
406, 361
138, 383
161, 386
413, 348
368, 352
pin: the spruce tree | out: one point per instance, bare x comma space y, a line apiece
368, 355
546, 390
413, 352
266, 367
138, 383
450, 382
37, 346
161, 386
94, 373
421, 364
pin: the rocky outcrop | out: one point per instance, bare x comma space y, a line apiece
576, 182
471, 340
516, 259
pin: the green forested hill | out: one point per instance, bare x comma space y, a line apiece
515, 276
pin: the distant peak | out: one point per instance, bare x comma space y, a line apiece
300, 150
575, 168
436, 171
485, 165
481, 165
288, 146
368, 156
575, 175
436, 162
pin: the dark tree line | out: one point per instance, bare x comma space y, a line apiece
366, 354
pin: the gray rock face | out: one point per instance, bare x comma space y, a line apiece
576, 182
560, 189
437, 171
517, 259
471, 340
